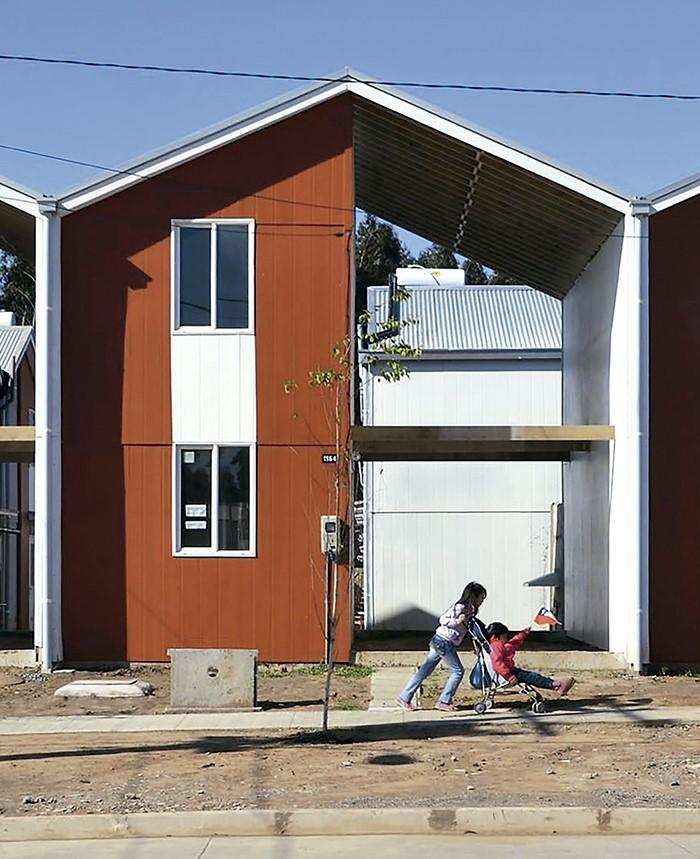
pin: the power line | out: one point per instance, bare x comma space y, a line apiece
95, 64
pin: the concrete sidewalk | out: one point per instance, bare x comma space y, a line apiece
295, 720
376, 846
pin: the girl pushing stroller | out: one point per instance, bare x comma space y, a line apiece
453, 625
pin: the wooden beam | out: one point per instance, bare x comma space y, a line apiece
476, 434
533, 443
17, 444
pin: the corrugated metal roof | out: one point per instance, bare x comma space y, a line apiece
475, 318
13, 344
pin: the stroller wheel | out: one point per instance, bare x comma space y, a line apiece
488, 704
539, 707
479, 708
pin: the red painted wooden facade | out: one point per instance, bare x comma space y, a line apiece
674, 528
125, 597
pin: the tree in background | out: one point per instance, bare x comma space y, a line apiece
474, 273
378, 253
504, 279
437, 256
17, 286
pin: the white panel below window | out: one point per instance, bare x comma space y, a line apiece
213, 387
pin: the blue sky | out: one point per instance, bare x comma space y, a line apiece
110, 116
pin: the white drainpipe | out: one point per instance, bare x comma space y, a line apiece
638, 489
47, 517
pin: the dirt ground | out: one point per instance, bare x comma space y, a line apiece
445, 764
26, 692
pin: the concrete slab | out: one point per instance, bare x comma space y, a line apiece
104, 689
385, 686
351, 846
18, 658
123, 848
544, 661
212, 679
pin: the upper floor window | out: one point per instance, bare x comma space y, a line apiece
213, 265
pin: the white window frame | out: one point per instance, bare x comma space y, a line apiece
212, 224
212, 552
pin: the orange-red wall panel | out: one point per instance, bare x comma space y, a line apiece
124, 595
674, 532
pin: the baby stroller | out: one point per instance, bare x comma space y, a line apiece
484, 677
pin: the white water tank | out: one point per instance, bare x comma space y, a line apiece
416, 275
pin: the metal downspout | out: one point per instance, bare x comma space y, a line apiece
639, 357
48, 434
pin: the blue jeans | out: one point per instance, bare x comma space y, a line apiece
532, 678
440, 648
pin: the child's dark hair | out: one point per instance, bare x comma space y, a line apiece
496, 629
471, 592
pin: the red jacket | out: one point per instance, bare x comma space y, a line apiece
503, 654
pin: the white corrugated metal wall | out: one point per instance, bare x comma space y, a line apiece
430, 527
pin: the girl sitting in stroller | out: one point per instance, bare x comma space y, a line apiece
503, 650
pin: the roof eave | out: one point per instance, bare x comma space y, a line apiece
19, 197
488, 141
675, 193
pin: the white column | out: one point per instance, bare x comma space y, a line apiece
638, 635
47, 521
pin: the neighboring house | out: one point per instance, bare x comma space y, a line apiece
491, 355
179, 489
16, 480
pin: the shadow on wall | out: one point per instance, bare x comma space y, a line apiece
93, 547
410, 619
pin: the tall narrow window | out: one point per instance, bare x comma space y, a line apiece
234, 498
213, 286
232, 275
195, 277
214, 497
195, 497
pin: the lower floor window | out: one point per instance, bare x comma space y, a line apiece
215, 485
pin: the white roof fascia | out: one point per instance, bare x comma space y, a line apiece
193, 146
19, 197
675, 193
430, 116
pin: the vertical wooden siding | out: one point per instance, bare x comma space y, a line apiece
674, 310
124, 595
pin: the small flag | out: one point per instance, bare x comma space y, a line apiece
545, 617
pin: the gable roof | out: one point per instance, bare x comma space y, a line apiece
474, 318
431, 173
428, 171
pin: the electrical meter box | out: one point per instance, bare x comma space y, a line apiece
331, 534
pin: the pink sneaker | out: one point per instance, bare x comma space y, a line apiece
405, 705
564, 685
448, 708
